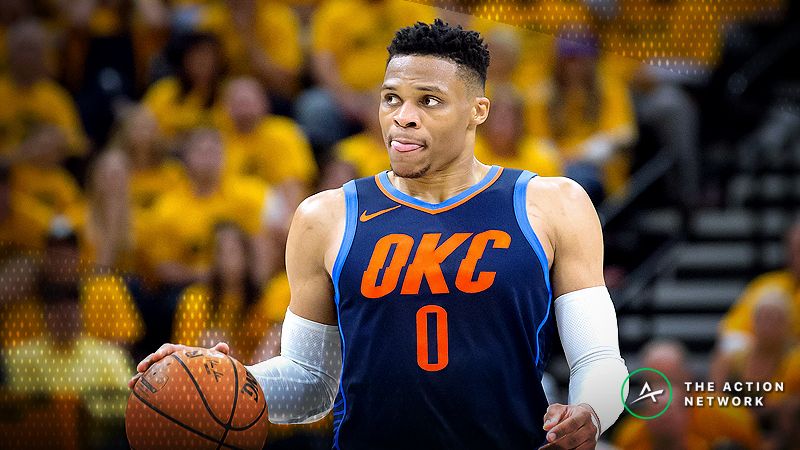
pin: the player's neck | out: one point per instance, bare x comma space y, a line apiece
439, 185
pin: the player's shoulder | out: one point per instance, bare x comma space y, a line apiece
322, 208
561, 208
557, 192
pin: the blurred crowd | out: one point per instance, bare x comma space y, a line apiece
757, 342
152, 153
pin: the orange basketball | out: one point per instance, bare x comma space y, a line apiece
196, 399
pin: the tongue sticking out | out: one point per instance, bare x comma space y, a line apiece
400, 147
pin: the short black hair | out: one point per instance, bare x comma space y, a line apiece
463, 47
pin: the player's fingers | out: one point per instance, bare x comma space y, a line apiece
144, 364
573, 440
165, 350
565, 428
132, 381
554, 414
222, 347
162, 352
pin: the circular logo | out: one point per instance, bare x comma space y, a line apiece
654, 393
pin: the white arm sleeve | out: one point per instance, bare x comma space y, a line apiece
301, 384
587, 325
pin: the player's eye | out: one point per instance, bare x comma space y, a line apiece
391, 99
431, 101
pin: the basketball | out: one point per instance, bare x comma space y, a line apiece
196, 399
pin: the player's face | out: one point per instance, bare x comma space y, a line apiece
426, 112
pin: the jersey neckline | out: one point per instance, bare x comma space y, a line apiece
382, 180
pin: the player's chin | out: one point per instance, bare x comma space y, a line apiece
410, 166
410, 172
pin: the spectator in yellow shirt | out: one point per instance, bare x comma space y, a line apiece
347, 60
736, 328
89, 368
177, 240
232, 306
107, 308
270, 147
680, 427
180, 235
23, 222
502, 139
261, 38
126, 182
39, 175
190, 98
772, 342
587, 115
108, 241
30, 96
153, 171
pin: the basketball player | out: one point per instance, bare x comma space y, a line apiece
423, 296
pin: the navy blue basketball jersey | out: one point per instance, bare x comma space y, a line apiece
445, 319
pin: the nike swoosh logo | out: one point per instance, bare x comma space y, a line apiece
365, 217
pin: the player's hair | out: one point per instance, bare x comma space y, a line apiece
463, 47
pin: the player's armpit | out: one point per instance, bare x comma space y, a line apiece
314, 238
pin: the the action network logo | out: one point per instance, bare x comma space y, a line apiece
650, 393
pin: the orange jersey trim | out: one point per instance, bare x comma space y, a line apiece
437, 210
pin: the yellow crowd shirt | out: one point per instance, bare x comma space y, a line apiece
181, 227
176, 114
45, 102
616, 112
94, 370
196, 323
275, 151
52, 188
740, 317
108, 312
365, 152
533, 154
359, 46
26, 223
276, 31
707, 428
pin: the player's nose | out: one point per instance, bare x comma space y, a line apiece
407, 116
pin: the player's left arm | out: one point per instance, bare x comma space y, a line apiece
584, 313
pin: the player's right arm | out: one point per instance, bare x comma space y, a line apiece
300, 385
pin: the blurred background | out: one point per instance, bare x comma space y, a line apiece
152, 153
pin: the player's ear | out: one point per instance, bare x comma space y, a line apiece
480, 110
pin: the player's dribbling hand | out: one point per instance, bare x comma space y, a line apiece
570, 427
164, 351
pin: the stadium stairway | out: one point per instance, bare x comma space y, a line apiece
698, 277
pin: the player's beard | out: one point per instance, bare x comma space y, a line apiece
412, 174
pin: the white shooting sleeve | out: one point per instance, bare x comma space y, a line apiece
587, 325
301, 384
